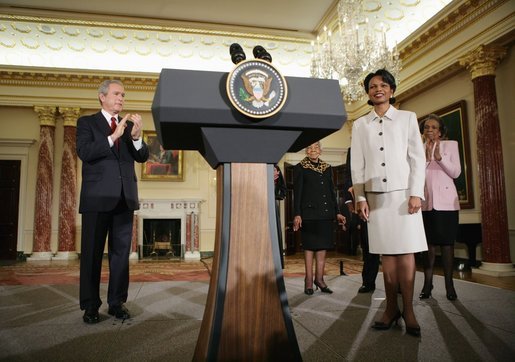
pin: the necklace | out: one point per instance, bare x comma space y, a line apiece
320, 167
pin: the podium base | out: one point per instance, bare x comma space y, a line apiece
247, 317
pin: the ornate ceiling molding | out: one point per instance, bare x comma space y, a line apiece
60, 78
103, 46
433, 80
456, 20
185, 29
463, 15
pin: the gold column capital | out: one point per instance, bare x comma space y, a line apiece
70, 115
483, 60
46, 115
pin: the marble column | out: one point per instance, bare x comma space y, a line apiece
192, 246
134, 243
44, 185
481, 63
187, 243
66, 249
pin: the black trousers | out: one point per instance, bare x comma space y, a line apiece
370, 261
279, 231
96, 226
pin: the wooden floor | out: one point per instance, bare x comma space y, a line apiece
499, 282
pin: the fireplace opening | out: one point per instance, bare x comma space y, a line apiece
162, 238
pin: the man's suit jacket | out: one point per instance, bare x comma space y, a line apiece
106, 171
440, 190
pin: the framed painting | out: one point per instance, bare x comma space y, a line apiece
162, 165
455, 119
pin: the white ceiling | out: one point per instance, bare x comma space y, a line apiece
148, 35
401, 17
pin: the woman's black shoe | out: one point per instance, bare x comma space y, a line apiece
307, 291
413, 331
425, 295
384, 326
323, 289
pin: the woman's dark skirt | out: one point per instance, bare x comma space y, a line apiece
317, 234
441, 226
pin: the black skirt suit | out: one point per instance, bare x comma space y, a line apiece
315, 201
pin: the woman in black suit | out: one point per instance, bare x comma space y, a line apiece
315, 208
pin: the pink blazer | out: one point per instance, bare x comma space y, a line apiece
439, 191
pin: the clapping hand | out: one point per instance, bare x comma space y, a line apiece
120, 128
138, 126
436, 154
429, 150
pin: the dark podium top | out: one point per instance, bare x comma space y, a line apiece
192, 111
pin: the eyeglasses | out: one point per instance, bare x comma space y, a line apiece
431, 127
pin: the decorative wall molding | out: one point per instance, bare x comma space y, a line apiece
19, 149
187, 210
430, 55
21, 142
64, 78
464, 14
73, 19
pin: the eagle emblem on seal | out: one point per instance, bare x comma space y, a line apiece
257, 88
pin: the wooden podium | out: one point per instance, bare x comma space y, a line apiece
247, 315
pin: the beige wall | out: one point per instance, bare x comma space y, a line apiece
435, 56
199, 179
456, 88
22, 123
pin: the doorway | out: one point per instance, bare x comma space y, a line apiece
10, 198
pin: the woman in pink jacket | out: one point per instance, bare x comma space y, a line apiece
441, 206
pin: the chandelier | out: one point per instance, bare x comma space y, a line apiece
352, 50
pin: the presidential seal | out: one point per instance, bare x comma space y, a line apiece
256, 89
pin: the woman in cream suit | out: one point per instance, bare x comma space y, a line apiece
441, 205
387, 166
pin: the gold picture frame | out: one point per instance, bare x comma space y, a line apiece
162, 165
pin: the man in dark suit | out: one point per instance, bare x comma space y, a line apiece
359, 227
108, 147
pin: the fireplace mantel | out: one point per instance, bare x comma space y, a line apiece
187, 210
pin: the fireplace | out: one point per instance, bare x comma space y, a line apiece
169, 228
162, 237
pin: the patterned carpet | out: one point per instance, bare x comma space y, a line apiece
67, 272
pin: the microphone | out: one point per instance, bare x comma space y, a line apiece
237, 53
260, 53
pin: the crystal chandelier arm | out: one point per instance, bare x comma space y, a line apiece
353, 51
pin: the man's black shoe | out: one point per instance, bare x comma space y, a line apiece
366, 289
91, 316
119, 311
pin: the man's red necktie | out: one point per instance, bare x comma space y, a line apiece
113, 128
